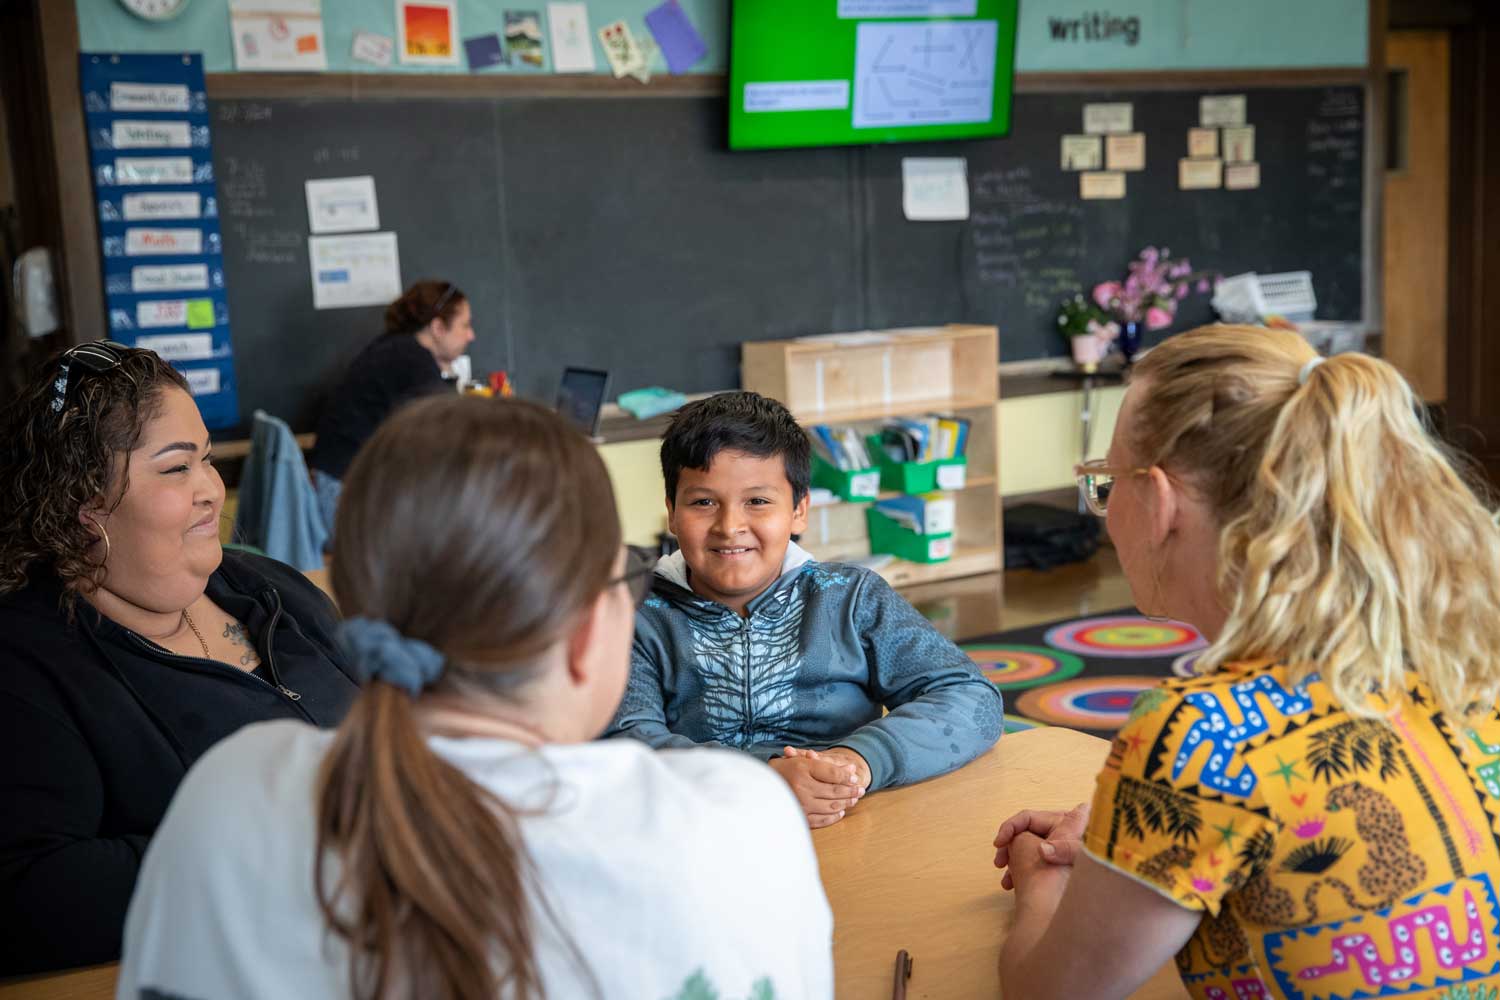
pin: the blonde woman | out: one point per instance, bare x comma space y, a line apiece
1315, 814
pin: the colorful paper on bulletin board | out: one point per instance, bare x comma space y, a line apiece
151, 159
681, 45
429, 32
484, 51
523, 38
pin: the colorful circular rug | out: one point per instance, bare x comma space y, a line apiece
1086, 703
1011, 667
1084, 673
1127, 636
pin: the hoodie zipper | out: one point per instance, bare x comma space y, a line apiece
268, 635
275, 681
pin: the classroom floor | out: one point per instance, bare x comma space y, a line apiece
982, 605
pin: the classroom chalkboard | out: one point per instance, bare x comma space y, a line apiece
620, 233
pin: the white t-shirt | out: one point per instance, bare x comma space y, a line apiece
667, 870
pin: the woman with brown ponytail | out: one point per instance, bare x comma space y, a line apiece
426, 330
1315, 813
460, 836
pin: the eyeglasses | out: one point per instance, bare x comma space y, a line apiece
640, 564
94, 358
1096, 481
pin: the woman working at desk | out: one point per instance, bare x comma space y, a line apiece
1313, 815
460, 836
129, 641
426, 330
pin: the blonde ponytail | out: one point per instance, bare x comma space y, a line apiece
1350, 546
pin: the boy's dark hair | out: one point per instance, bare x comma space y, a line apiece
735, 421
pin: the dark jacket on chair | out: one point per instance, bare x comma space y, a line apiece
98, 727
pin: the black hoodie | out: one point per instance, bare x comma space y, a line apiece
98, 727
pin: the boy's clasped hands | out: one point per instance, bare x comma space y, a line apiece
827, 783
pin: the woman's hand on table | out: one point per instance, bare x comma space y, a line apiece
1059, 835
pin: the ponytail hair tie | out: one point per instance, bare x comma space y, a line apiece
378, 652
1307, 369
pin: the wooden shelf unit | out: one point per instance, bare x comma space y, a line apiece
863, 379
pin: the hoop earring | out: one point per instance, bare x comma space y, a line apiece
102, 534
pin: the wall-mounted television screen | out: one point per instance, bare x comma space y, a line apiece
845, 72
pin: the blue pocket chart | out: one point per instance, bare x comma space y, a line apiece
152, 162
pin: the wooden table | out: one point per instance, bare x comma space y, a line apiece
913, 868
909, 868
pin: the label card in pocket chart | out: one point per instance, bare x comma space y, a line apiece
620, 48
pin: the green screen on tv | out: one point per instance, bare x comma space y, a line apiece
846, 72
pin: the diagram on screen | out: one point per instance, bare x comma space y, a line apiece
924, 74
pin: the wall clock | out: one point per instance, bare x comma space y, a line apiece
154, 10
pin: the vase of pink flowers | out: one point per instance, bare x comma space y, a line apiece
1089, 330
1154, 283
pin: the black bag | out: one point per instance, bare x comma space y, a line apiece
1041, 537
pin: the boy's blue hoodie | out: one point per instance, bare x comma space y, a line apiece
823, 649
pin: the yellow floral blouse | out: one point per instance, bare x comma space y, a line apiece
1332, 856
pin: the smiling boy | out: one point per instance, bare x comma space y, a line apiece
748, 642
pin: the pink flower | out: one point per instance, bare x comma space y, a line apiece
1105, 292
1202, 884
1182, 292
1309, 828
1203, 285
1158, 318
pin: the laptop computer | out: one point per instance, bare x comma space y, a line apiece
580, 397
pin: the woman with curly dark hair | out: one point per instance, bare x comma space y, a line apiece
130, 642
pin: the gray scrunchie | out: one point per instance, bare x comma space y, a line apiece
378, 652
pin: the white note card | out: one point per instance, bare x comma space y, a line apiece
368, 47
1216, 112
1101, 118
349, 271
1101, 184
572, 45
935, 189
342, 205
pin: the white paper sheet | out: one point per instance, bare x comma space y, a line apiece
935, 189
1226, 110
1100, 118
1242, 176
934, 73
1197, 174
350, 271
342, 205
278, 35
572, 45
1125, 152
368, 47
1082, 152
1239, 144
1095, 185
